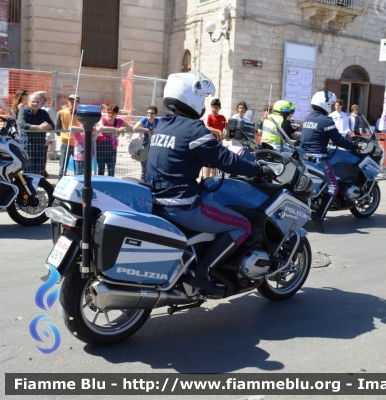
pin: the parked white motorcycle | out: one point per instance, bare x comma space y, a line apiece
24, 196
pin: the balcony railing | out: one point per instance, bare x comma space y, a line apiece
332, 14
359, 5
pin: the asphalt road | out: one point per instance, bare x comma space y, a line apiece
336, 323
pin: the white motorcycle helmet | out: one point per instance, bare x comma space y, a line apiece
186, 92
323, 99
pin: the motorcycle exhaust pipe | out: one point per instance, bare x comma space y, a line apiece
106, 296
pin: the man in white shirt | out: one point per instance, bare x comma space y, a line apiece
340, 119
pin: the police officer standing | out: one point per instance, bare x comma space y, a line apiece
318, 129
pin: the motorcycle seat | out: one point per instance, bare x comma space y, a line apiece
139, 181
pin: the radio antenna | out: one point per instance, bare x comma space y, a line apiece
72, 114
269, 100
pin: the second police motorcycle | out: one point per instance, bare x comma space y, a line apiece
355, 171
118, 260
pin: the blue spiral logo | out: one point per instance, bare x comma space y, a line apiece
50, 300
33, 330
45, 287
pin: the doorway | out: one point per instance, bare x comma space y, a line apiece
354, 93
355, 85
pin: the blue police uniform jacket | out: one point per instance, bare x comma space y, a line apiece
317, 130
178, 149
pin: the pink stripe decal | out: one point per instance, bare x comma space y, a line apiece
216, 215
333, 178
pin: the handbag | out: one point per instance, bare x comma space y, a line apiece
139, 147
138, 150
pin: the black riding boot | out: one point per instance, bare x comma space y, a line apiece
221, 248
318, 216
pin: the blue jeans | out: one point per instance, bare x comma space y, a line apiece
143, 170
63, 150
79, 167
36, 156
108, 160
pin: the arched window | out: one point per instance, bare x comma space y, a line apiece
186, 66
355, 74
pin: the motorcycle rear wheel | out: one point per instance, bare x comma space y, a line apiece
286, 283
29, 215
85, 321
367, 207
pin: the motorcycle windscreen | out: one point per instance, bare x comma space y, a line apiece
138, 248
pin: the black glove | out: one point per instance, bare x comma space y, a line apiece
265, 173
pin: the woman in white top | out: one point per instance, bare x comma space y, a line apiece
340, 118
241, 110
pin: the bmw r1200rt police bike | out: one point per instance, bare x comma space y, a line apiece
355, 171
138, 260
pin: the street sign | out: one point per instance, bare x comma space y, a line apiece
252, 63
382, 54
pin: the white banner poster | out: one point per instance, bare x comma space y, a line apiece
4, 83
382, 122
298, 77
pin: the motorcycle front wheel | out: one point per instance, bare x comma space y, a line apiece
33, 215
287, 282
366, 207
87, 323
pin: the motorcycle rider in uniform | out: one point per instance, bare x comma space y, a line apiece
282, 110
179, 147
318, 128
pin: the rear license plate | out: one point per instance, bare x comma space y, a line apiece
59, 251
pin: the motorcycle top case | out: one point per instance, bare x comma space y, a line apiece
136, 247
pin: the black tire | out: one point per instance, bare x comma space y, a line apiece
367, 207
33, 216
78, 307
296, 273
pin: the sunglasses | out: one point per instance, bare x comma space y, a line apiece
25, 94
151, 113
111, 112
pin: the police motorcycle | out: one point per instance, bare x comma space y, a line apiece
355, 171
118, 260
25, 196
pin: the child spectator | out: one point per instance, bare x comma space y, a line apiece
110, 128
216, 124
79, 139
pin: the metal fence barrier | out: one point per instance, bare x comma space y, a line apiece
133, 94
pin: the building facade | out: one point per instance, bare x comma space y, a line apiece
344, 33
247, 63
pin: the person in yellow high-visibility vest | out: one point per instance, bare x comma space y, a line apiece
281, 111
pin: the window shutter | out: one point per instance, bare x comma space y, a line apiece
375, 108
333, 85
100, 33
